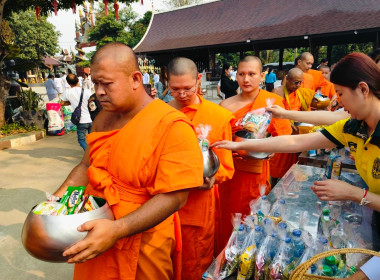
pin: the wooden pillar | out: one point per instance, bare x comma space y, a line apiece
280, 58
212, 59
241, 55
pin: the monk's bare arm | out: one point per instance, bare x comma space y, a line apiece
77, 176
151, 213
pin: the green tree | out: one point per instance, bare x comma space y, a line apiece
6, 9
34, 38
181, 3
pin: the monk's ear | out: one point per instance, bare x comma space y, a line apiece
137, 79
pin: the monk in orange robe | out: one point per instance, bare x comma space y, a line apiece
250, 173
198, 215
142, 157
295, 98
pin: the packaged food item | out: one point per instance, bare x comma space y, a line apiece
336, 168
257, 121
52, 208
202, 131
90, 204
329, 165
72, 198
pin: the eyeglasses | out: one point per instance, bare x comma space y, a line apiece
185, 92
297, 83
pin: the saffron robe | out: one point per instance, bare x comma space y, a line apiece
155, 152
199, 214
281, 162
308, 81
235, 194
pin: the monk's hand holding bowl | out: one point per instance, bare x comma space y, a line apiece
207, 183
102, 234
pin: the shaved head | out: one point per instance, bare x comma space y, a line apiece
324, 67
120, 54
250, 58
306, 55
295, 73
180, 66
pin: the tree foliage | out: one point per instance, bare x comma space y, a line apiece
34, 38
181, 3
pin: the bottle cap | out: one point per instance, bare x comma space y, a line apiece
323, 240
287, 239
326, 211
297, 232
257, 228
282, 201
282, 225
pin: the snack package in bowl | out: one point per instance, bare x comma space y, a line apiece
257, 121
203, 131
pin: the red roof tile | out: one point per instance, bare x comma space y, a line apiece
235, 21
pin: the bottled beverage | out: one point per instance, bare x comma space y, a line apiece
324, 225
279, 210
281, 229
281, 261
240, 237
259, 236
268, 226
264, 208
298, 244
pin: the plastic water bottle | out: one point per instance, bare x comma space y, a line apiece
281, 229
298, 244
279, 210
240, 237
281, 261
259, 236
273, 246
264, 208
325, 223
268, 226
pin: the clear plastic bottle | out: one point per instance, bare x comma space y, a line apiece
259, 236
324, 226
281, 261
268, 226
282, 230
264, 208
298, 244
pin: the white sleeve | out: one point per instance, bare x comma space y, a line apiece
371, 268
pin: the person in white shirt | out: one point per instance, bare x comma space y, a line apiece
156, 78
51, 88
58, 84
87, 83
146, 78
72, 97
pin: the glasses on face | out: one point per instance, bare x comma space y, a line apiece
297, 83
185, 92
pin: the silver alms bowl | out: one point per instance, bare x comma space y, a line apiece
210, 163
46, 237
243, 135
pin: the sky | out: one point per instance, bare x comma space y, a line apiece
65, 21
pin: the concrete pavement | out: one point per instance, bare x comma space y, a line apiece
26, 173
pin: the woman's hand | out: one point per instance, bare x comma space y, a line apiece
334, 190
228, 145
277, 111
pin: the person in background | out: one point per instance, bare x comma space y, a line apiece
72, 97
324, 61
227, 85
143, 157
87, 83
156, 78
270, 79
325, 71
146, 78
233, 74
59, 84
219, 93
163, 91
51, 88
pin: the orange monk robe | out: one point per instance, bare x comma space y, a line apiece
319, 80
308, 81
235, 194
329, 90
281, 162
198, 215
155, 152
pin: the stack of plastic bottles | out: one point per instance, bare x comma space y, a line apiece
263, 245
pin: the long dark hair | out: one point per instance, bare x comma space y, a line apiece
163, 76
226, 66
355, 68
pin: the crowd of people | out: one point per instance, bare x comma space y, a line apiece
143, 156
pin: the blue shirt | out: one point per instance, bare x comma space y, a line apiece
270, 78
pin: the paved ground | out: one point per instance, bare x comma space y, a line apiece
26, 173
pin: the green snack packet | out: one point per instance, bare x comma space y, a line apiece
72, 198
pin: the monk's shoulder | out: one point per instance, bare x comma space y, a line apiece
268, 94
279, 91
230, 103
218, 109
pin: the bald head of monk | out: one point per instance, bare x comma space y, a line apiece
305, 61
294, 79
250, 74
183, 80
117, 79
325, 71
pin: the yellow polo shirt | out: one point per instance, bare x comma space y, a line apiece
365, 149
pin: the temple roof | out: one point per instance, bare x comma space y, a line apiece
228, 22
